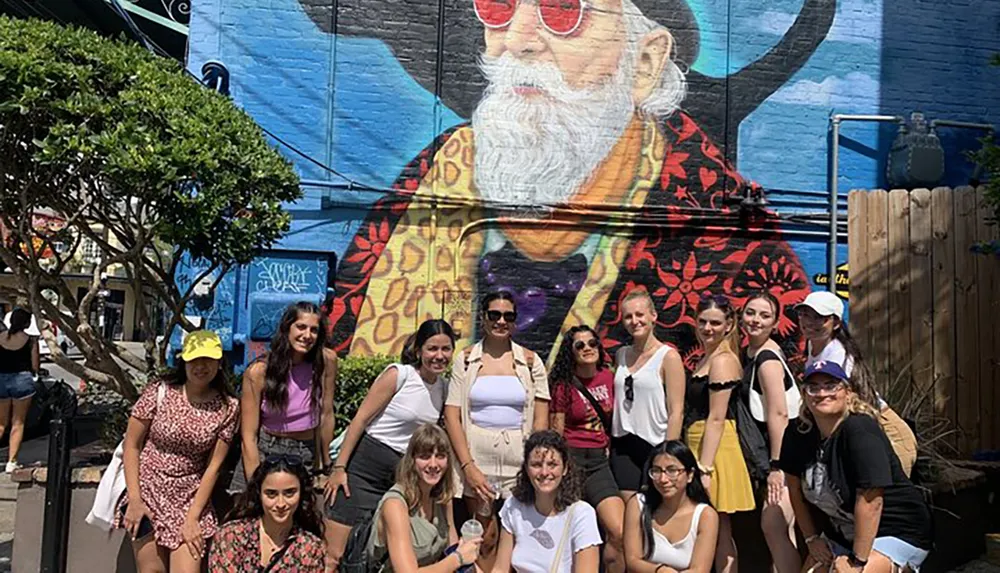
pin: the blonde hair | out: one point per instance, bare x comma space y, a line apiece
428, 439
855, 405
637, 294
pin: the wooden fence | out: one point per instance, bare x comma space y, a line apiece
925, 307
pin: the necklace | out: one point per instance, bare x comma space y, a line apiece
268, 547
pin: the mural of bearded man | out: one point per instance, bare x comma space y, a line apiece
578, 179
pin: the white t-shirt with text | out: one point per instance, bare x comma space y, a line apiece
537, 537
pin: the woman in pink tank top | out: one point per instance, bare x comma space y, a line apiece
287, 401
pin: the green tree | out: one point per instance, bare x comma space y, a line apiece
138, 163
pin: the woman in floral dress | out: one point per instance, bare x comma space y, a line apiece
276, 527
176, 441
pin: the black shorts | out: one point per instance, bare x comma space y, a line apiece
599, 483
268, 444
628, 457
370, 473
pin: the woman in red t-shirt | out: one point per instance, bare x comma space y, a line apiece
581, 368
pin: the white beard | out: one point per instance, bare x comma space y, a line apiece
540, 150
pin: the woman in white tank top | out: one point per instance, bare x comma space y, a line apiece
672, 525
649, 393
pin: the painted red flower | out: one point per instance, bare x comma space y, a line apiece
370, 248
684, 286
770, 267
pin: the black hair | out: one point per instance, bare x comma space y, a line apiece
279, 358
416, 341
565, 362
177, 376
571, 486
862, 379
497, 295
20, 320
695, 491
306, 515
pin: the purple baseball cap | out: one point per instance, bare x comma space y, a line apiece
825, 367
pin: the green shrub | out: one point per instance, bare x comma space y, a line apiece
354, 377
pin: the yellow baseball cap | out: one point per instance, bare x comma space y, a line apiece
202, 344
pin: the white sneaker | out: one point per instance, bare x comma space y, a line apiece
11, 466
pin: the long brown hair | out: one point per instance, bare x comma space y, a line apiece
721, 302
428, 439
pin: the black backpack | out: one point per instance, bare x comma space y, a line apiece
355, 558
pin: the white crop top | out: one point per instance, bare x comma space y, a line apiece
646, 415
497, 402
675, 555
415, 403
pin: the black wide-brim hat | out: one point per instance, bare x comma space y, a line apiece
444, 58
410, 29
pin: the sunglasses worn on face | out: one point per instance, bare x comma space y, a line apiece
672, 472
559, 17
579, 344
496, 315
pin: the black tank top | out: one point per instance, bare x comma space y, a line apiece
13, 361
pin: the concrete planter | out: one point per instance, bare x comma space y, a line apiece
90, 549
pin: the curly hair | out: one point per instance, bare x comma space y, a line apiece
570, 488
306, 515
565, 362
429, 439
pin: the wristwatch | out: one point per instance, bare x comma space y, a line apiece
856, 561
774, 465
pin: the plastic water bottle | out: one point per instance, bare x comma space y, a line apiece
472, 529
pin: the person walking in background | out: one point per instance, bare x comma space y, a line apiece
546, 527
711, 430
175, 444
774, 399
821, 318
276, 526
837, 460
671, 526
19, 364
498, 395
582, 389
405, 396
649, 393
414, 523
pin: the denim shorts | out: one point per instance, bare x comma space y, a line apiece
17, 385
895, 549
268, 444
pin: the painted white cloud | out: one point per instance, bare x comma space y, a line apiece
856, 91
854, 23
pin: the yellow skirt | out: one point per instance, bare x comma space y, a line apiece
730, 490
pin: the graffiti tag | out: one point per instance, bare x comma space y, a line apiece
282, 277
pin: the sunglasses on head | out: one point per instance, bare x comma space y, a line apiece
559, 17
580, 345
287, 459
720, 300
496, 315
629, 388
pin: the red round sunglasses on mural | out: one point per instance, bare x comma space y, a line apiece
560, 17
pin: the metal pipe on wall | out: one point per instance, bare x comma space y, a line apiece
835, 121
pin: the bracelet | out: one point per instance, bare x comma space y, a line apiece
466, 464
657, 570
707, 470
811, 538
461, 561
